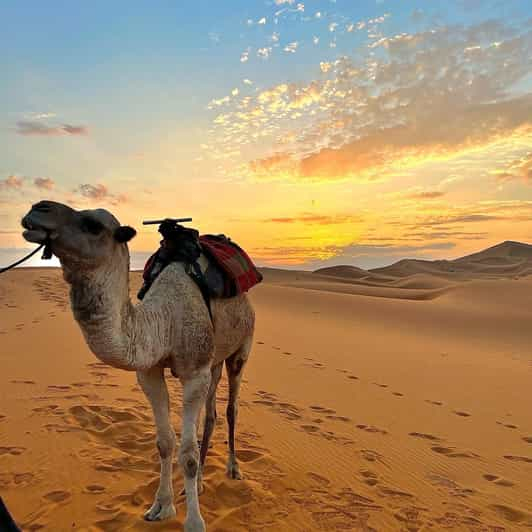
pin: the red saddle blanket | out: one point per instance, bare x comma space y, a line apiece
240, 274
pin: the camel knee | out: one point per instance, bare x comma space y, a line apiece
189, 460
166, 444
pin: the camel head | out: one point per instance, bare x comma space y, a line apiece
82, 240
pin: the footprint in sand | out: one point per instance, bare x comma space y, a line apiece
46, 409
59, 387
57, 496
461, 414
338, 418
13, 451
352, 377
398, 394
498, 480
394, 493
424, 436
507, 425
318, 479
371, 455
94, 489
248, 455
435, 403
511, 514
528, 439
20, 480
380, 385
322, 409
311, 429
453, 453
370, 478
371, 429
260, 343
518, 458
22, 382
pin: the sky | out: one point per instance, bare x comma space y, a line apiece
314, 133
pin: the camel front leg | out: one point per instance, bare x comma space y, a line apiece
194, 394
154, 386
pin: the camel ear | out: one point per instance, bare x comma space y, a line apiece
124, 233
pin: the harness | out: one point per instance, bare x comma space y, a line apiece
46, 254
179, 244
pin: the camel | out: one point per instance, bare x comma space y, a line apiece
171, 328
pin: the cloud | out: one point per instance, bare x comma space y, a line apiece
425, 194
405, 100
44, 183
100, 192
315, 219
365, 255
291, 47
27, 127
419, 141
518, 169
11, 182
265, 52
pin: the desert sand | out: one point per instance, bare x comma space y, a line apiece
391, 399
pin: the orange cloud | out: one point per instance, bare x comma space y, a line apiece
518, 169
445, 132
100, 192
44, 182
316, 219
426, 194
12, 182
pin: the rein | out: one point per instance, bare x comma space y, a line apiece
47, 254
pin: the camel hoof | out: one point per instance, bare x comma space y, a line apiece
158, 512
233, 471
195, 524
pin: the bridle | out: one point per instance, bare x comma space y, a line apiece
46, 254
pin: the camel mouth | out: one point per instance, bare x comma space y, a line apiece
33, 232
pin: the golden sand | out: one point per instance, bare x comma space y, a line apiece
373, 401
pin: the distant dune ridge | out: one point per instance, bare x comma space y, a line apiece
426, 279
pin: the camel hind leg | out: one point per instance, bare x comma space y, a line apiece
210, 418
235, 369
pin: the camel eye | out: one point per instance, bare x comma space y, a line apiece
90, 225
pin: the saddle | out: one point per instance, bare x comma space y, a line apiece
219, 266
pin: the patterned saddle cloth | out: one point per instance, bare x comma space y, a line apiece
219, 266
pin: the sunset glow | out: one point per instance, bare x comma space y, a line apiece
313, 133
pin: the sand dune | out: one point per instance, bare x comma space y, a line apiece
357, 412
507, 259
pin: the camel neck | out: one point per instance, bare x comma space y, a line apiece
101, 305
120, 334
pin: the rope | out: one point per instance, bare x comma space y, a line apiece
20, 261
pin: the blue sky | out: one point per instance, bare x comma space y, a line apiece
145, 107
